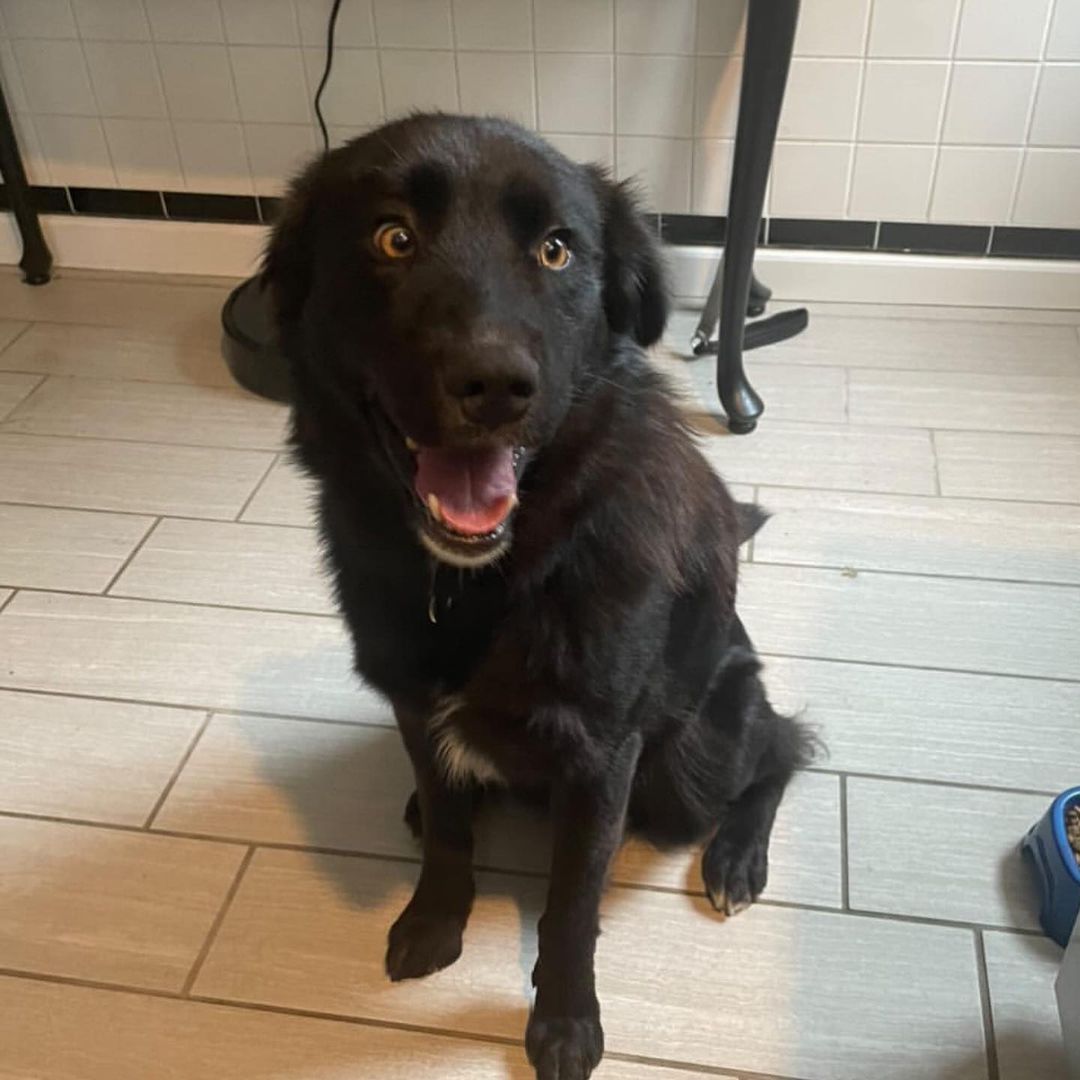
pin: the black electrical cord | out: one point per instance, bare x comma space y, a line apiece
331, 25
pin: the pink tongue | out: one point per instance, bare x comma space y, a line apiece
476, 489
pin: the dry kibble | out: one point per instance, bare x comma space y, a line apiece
1072, 829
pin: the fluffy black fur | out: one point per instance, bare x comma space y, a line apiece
599, 660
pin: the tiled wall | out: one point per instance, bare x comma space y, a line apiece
904, 110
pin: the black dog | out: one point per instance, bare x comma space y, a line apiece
535, 562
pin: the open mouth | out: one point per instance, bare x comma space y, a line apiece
469, 496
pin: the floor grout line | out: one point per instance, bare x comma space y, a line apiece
185, 757
987, 1003
267, 448
937, 462
241, 1005
216, 925
187, 603
276, 447
390, 727
130, 556
7, 599
167, 517
18, 336
257, 488
10, 414
920, 574
960, 785
524, 874
845, 871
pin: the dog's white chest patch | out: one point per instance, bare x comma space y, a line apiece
460, 762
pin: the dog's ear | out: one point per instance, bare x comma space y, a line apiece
287, 265
635, 290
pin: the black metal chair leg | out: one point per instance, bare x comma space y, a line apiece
36, 261
759, 297
770, 37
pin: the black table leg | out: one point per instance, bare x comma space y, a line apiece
770, 37
36, 261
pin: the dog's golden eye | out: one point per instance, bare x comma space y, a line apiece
394, 240
554, 253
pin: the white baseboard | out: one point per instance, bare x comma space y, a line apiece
153, 247
182, 247
872, 277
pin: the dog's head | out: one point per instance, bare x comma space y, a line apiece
456, 282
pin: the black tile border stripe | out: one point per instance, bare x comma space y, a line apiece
187, 206
1017, 242
800, 232
678, 230
933, 239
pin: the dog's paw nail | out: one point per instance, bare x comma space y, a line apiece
421, 944
564, 1047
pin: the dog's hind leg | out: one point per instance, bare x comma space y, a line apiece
735, 864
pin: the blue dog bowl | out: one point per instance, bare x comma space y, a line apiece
1056, 874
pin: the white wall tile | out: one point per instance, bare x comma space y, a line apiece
418, 80
353, 96
912, 28
260, 22
111, 20
574, 25
144, 154
418, 24
39, 19
1002, 29
14, 93
54, 77
270, 84
720, 26
1057, 108
902, 101
498, 84
355, 25
891, 183
716, 96
662, 167
34, 160
576, 92
193, 20
989, 103
810, 180
213, 157
125, 78
1064, 40
198, 82
76, 151
820, 100
277, 152
1049, 191
493, 24
655, 26
711, 176
586, 149
831, 28
655, 95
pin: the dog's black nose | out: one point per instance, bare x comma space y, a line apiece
495, 391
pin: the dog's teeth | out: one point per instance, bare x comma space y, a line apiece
513, 504
434, 507
411, 444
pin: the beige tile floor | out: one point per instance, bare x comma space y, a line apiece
200, 836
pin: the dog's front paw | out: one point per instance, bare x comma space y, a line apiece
564, 1047
422, 943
